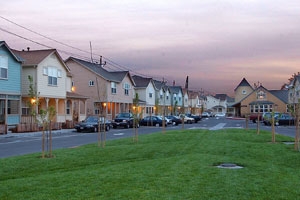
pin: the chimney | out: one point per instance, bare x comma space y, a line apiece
187, 82
173, 82
28, 48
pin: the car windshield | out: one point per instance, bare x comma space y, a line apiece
91, 119
123, 115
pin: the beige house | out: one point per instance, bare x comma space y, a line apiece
195, 105
53, 83
109, 92
249, 100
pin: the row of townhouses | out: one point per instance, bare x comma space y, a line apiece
78, 88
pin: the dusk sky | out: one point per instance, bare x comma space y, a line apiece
215, 42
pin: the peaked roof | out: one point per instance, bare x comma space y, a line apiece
222, 97
281, 94
141, 82
117, 76
244, 83
175, 89
193, 94
16, 57
34, 57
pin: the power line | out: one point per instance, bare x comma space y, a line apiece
109, 61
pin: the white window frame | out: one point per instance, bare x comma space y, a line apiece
91, 83
113, 86
52, 76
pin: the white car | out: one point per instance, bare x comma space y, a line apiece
220, 115
205, 114
187, 120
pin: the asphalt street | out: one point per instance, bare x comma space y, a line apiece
14, 144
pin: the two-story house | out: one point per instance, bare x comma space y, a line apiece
176, 100
185, 101
52, 80
109, 92
162, 97
10, 87
145, 88
194, 103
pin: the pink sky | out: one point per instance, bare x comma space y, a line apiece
216, 43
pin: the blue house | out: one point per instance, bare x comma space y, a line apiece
10, 87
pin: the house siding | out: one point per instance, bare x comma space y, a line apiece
42, 82
11, 85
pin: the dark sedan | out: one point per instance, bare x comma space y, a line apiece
91, 123
286, 120
152, 121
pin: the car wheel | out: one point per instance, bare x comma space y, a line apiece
127, 126
95, 129
107, 128
114, 127
138, 125
78, 130
254, 120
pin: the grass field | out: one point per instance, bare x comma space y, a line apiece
174, 165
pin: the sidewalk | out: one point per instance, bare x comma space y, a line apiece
39, 133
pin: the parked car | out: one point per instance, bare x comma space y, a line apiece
187, 120
267, 118
175, 120
168, 121
125, 120
285, 120
220, 115
205, 114
197, 118
91, 124
152, 121
254, 117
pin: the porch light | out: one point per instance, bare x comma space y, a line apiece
73, 89
33, 101
104, 104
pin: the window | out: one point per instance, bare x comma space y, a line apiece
52, 76
113, 88
167, 97
244, 92
126, 89
91, 83
25, 108
150, 95
68, 108
12, 107
3, 67
261, 95
179, 98
161, 96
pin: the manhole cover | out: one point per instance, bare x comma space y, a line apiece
229, 166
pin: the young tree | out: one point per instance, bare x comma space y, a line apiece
43, 117
135, 116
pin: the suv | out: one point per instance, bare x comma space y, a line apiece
124, 120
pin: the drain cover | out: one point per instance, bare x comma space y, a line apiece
229, 166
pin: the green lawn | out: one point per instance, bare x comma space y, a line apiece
175, 165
